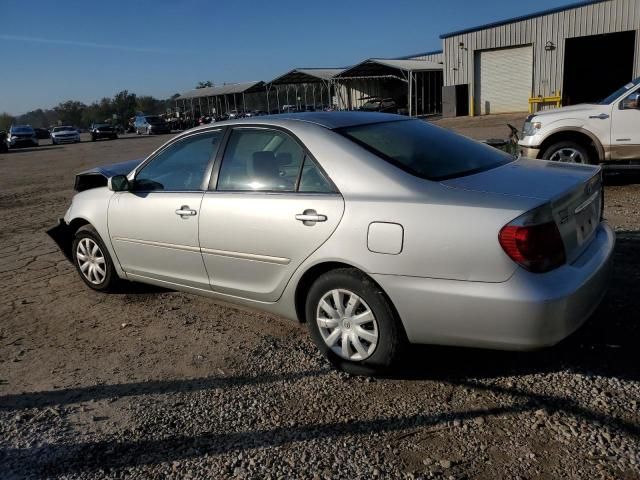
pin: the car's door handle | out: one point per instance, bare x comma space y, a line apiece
184, 211
602, 116
310, 217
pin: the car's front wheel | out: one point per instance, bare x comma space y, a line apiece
568, 152
353, 323
92, 260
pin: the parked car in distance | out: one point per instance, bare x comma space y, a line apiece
376, 104
64, 134
22, 136
606, 132
4, 148
151, 125
235, 114
374, 229
99, 131
42, 133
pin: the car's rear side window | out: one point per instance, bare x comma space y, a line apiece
425, 150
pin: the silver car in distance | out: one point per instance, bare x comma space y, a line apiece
376, 230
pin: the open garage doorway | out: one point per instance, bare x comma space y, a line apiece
597, 65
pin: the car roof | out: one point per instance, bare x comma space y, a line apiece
330, 120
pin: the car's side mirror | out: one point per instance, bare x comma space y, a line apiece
119, 183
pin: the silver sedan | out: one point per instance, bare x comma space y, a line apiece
375, 230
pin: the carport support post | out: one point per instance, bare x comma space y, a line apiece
266, 89
410, 94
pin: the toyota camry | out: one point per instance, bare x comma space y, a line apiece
375, 230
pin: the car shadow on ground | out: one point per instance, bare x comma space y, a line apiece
606, 345
14, 151
621, 178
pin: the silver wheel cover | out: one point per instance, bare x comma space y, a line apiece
347, 325
567, 155
91, 261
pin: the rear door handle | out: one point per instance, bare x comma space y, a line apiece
310, 217
184, 211
602, 116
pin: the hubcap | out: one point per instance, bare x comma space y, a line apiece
91, 261
347, 325
567, 155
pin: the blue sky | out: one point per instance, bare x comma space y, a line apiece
59, 50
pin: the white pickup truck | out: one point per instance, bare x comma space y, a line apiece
606, 132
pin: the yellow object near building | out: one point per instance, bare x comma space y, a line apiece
557, 99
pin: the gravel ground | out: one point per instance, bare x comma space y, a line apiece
150, 383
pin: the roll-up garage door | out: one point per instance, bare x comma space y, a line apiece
503, 80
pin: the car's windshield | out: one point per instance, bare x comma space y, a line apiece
618, 93
371, 105
21, 129
62, 129
101, 125
425, 150
154, 119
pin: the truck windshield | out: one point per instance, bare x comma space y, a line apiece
618, 93
425, 150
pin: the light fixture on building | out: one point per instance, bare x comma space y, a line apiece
550, 46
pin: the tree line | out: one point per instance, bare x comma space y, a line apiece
118, 109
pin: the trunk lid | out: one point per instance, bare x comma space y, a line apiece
573, 192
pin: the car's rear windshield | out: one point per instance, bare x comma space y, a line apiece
62, 129
154, 119
425, 150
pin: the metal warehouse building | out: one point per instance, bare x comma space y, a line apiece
578, 53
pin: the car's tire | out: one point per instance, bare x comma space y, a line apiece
148, 131
568, 152
93, 138
92, 260
374, 341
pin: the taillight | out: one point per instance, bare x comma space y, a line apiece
538, 248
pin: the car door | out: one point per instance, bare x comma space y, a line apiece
154, 226
269, 208
625, 128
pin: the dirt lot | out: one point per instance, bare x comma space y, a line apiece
149, 383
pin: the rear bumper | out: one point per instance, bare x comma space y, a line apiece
528, 311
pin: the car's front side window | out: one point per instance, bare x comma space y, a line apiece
260, 160
631, 102
182, 166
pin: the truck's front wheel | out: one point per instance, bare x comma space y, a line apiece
568, 152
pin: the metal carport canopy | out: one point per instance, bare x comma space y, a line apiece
306, 75
227, 89
400, 69
388, 68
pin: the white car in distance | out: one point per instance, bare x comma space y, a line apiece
65, 134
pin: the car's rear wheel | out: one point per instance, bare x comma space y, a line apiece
568, 152
353, 323
92, 260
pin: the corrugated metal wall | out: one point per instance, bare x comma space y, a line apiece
598, 18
